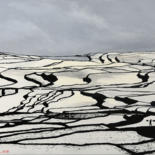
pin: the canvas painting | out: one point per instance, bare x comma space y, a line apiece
77, 77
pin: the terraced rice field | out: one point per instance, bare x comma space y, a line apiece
94, 103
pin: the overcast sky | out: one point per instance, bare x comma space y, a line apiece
64, 27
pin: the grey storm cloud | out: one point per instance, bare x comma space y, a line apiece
64, 27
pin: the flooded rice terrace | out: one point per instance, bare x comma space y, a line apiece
91, 103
